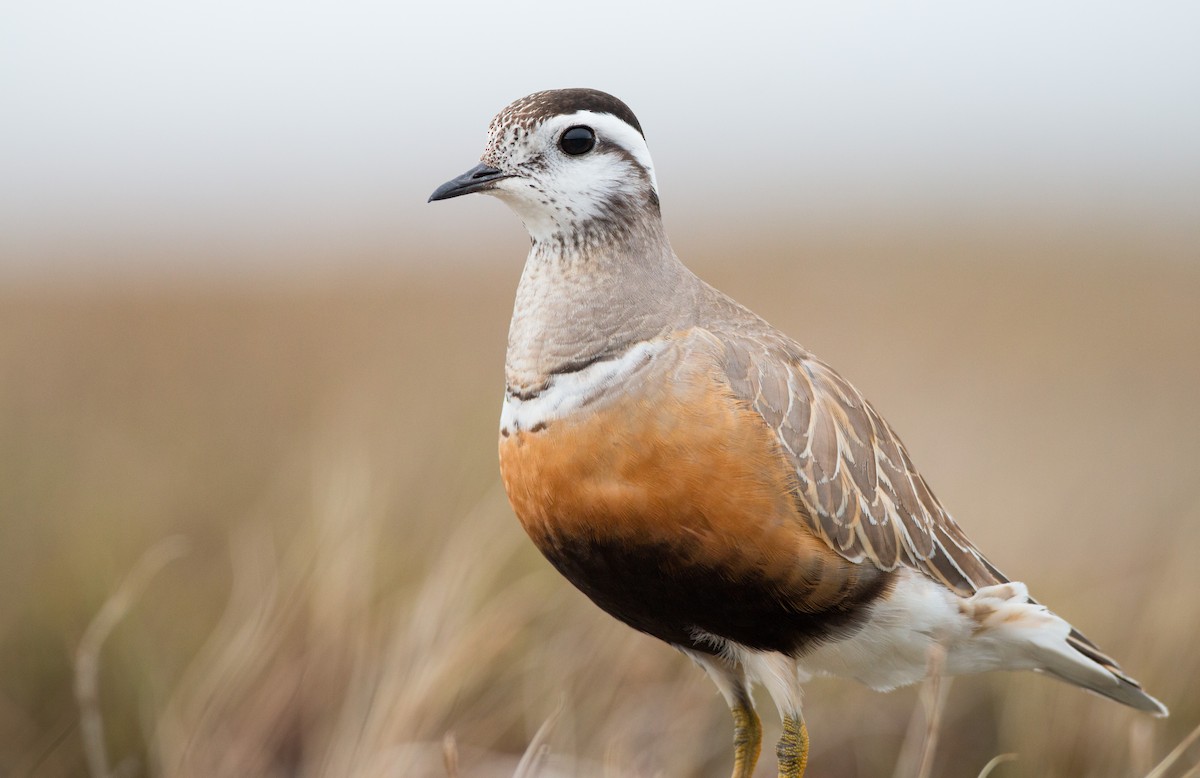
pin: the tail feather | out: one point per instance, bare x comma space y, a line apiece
1076, 664
1055, 647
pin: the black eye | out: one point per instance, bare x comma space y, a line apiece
577, 140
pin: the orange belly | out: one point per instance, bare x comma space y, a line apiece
675, 512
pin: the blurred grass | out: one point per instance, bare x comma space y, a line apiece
357, 587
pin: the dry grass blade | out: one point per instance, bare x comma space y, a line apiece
1176, 754
995, 762
87, 655
535, 755
920, 744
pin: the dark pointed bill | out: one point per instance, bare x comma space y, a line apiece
476, 179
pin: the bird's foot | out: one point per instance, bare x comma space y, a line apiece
793, 748
747, 740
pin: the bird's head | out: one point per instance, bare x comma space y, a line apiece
567, 161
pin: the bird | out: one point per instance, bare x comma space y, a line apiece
704, 478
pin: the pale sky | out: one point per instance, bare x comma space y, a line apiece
149, 119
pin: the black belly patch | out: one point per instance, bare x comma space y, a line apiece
663, 591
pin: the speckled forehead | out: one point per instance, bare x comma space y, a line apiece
522, 114
512, 124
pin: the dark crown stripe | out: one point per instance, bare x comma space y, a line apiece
568, 101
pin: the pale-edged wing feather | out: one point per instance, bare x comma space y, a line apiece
855, 483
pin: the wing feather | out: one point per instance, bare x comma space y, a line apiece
855, 483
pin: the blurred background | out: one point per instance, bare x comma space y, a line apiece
250, 518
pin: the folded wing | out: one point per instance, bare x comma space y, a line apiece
855, 483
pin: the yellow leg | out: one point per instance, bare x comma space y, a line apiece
747, 738
793, 748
